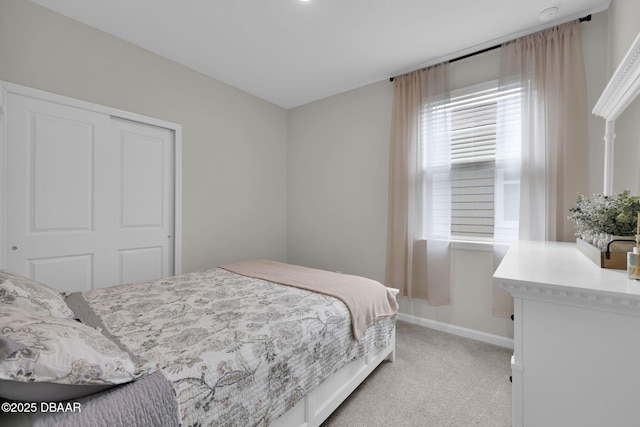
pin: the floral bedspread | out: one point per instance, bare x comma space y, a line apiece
239, 351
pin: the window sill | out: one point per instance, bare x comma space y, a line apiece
470, 245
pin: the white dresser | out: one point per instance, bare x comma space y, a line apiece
576, 358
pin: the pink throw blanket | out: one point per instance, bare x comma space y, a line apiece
366, 299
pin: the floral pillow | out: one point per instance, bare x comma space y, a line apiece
38, 350
32, 295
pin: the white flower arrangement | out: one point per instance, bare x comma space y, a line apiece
610, 215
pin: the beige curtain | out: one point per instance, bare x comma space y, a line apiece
416, 265
549, 67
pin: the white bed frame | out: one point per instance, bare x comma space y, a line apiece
320, 402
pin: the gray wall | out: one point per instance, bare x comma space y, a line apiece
337, 186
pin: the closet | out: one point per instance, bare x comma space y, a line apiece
89, 193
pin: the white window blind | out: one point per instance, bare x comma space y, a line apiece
472, 200
472, 132
473, 149
473, 126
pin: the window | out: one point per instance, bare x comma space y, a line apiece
468, 123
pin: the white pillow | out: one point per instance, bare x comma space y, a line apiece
41, 350
35, 296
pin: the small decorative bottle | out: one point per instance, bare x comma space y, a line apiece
633, 264
633, 258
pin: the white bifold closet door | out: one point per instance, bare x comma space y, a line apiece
90, 197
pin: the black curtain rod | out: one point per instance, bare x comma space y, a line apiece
584, 19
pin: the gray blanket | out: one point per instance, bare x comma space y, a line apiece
145, 402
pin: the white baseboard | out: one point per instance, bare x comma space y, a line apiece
458, 330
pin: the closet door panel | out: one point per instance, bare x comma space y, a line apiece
55, 215
73, 273
141, 264
142, 166
60, 162
145, 195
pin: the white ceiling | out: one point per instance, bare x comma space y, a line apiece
291, 52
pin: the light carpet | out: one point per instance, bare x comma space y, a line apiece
437, 379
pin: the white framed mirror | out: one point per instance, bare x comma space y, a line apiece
622, 89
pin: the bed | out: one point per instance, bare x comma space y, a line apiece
255, 343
